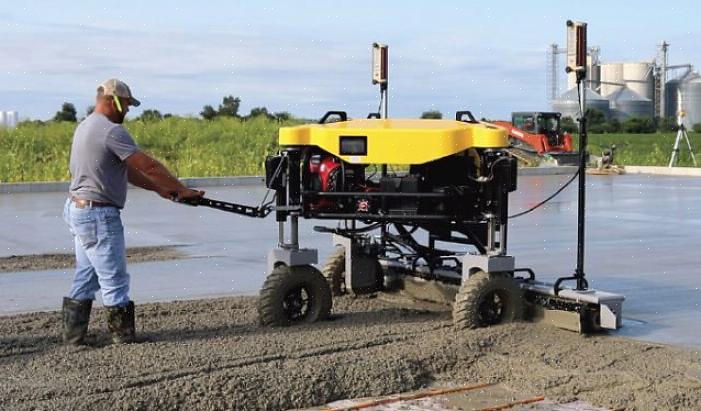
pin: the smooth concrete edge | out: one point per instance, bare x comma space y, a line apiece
664, 171
7, 188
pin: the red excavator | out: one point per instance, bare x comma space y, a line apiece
538, 134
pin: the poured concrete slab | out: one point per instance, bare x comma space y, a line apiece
641, 241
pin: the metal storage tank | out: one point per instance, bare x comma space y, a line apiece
611, 73
689, 88
625, 103
594, 76
3, 119
12, 118
671, 99
568, 103
691, 100
638, 78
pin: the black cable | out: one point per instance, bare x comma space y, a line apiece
547, 199
275, 175
582, 114
262, 202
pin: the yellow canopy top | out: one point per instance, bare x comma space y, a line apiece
394, 141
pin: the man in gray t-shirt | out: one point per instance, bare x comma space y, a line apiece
98, 167
104, 157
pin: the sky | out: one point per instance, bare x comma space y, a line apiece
308, 57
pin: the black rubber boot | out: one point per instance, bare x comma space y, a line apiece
120, 321
76, 316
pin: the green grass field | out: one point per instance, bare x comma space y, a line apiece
188, 147
644, 149
229, 147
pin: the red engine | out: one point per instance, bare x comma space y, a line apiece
324, 175
327, 173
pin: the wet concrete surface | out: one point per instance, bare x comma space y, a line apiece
641, 242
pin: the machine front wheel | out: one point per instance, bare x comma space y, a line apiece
294, 295
487, 299
335, 271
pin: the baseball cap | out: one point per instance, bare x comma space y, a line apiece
115, 87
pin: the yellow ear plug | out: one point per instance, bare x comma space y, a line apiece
119, 105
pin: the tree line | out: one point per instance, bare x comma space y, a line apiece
229, 107
598, 124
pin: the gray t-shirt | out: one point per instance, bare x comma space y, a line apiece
98, 170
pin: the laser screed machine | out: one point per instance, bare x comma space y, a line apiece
440, 221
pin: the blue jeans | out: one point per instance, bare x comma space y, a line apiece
100, 254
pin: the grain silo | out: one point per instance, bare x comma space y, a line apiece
688, 87
594, 75
671, 99
630, 88
568, 103
3, 119
626, 103
638, 77
691, 100
611, 78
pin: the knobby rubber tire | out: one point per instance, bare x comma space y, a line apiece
334, 271
474, 292
281, 283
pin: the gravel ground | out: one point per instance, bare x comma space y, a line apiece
211, 355
35, 262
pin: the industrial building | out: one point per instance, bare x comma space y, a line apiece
9, 119
622, 90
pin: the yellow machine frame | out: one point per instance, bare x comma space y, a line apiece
397, 141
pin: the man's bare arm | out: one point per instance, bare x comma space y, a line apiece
136, 178
150, 174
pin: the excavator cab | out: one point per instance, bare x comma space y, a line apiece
539, 132
542, 123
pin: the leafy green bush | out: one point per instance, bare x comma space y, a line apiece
652, 149
639, 125
432, 114
615, 126
568, 125
67, 113
595, 117
667, 124
150, 115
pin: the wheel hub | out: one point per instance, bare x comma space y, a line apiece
491, 308
296, 303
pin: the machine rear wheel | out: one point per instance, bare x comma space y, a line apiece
335, 271
294, 295
487, 299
